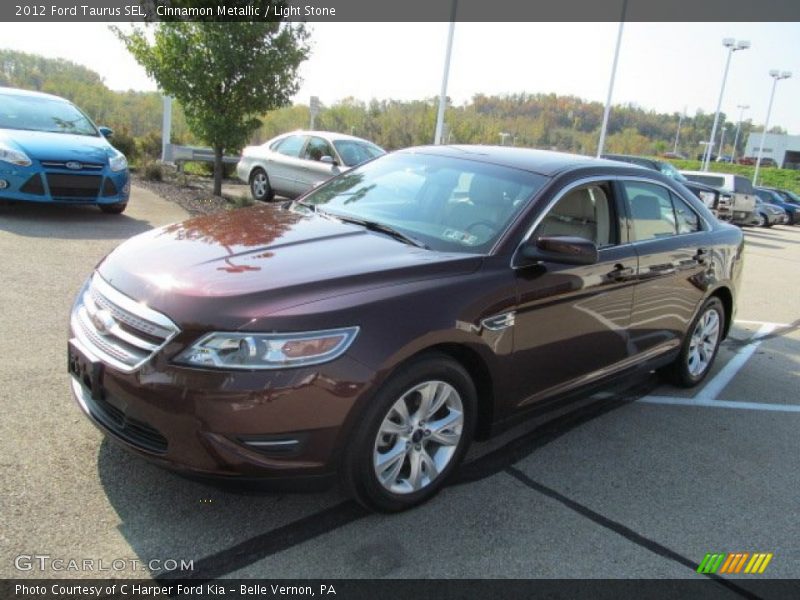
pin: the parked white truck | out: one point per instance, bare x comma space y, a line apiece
743, 196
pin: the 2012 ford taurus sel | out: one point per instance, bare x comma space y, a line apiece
377, 325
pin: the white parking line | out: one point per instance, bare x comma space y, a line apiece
707, 397
776, 325
720, 404
713, 388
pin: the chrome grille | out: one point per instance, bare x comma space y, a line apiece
120, 331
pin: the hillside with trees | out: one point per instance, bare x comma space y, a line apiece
547, 121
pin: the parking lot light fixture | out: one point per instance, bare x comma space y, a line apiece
742, 108
732, 46
776, 77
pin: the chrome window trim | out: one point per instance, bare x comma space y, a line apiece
600, 178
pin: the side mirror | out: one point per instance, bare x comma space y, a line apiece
559, 249
329, 160
105, 132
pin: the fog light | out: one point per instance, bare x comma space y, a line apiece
3, 184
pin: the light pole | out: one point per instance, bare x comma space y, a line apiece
437, 136
732, 46
742, 108
721, 141
678, 133
776, 77
607, 110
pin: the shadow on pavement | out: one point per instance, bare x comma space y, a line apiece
163, 515
67, 222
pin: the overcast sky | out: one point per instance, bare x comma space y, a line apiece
663, 66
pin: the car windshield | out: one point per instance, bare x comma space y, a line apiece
670, 171
34, 113
446, 204
354, 152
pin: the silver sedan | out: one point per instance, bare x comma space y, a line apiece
293, 163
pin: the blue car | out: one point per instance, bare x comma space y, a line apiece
50, 151
784, 199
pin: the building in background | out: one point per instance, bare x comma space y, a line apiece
783, 149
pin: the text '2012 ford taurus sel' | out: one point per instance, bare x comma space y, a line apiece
376, 326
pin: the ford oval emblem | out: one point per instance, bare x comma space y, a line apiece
103, 321
74, 165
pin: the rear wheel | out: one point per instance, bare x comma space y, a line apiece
114, 209
700, 347
414, 434
260, 187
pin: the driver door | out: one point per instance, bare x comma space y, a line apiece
572, 321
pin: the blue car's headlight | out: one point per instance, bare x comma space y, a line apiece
118, 162
15, 157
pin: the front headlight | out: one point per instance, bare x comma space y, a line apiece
15, 157
267, 350
118, 162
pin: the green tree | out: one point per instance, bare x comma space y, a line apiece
223, 74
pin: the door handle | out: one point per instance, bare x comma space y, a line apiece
620, 272
701, 255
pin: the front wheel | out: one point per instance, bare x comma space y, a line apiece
700, 347
414, 434
260, 187
761, 220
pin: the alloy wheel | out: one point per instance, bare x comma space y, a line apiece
418, 437
260, 185
703, 343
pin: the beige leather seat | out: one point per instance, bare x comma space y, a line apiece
577, 215
648, 218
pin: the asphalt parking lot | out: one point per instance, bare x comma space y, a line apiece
639, 483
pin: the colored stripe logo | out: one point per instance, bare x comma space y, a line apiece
735, 562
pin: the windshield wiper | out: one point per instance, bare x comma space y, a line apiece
382, 228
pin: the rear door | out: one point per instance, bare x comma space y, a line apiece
571, 322
285, 165
672, 246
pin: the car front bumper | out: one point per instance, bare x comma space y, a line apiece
53, 185
275, 425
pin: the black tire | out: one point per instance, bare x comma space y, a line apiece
680, 372
359, 468
260, 187
114, 209
762, 220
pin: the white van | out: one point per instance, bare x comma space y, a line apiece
743, 196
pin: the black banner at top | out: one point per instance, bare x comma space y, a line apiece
401, 10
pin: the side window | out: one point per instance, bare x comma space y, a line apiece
742, 185
584, 212
688, 220
651, 211
291, 145
317, 148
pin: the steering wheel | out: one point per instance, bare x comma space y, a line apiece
488, 224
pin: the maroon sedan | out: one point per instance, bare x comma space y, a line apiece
377, 325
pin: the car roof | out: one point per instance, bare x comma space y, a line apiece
329, 135
542, 162
639, 160
9, 91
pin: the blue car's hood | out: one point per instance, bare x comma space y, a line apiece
41, 145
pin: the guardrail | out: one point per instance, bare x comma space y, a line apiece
183, 154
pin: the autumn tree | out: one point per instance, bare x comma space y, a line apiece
224, 74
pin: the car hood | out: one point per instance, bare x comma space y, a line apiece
41, 145
227, 269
